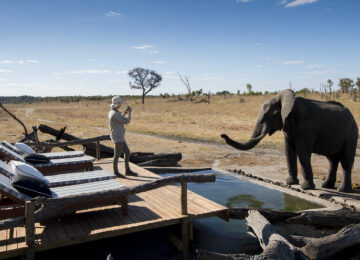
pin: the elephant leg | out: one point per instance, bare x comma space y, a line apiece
305, 161
347, 162
291, 158
331, 178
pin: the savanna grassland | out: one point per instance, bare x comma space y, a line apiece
233, 115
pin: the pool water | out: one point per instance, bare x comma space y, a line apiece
230, 191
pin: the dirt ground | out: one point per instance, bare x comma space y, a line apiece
204, 154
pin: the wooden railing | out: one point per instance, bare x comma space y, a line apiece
56, 207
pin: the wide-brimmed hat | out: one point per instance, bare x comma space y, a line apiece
116, 101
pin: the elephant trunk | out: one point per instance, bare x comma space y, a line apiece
259, 133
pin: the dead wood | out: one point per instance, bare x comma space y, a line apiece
143, 157
322, 248
17, 119
208, 255
159, 163
90, 148
161, 170
335, 219
272, 215
275, 246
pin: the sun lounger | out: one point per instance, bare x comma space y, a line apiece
55, 165
65, 178
52, 155
13, 200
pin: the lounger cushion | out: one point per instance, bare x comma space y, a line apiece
10, 154
36, 158
6, 170
11, 147
24, 169
31, 186
24, 148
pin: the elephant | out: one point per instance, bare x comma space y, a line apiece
309, 126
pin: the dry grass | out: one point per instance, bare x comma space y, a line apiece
158, 116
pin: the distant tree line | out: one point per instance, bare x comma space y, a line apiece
64, 99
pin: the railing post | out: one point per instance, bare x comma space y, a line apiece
183, 198
185, 222
30, 229
98, 150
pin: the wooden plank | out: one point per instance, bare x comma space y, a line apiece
12, 239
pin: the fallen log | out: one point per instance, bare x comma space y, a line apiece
324, 248
161, 170
208, 255
141, 157
335, 219
152, 159
159, 163
275, 246
272, 215
90, 148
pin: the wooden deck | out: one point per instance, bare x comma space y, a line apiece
148, 210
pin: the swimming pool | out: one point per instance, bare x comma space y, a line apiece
230, 191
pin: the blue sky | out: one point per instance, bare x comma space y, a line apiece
72, 47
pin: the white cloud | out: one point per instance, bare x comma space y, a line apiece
159, 62
300, 2
211, 77
258, 43
5, 71
84, 72
17, 84
20, 61
112, 14
3, 79
259, 66
6, 61
32, 61
90, 71
292, 62
143, 47
314, 66
169, 73
122, 72
243, 1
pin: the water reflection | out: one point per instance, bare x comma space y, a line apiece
240, 199
218, 235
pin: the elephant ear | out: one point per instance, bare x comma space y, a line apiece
287, 99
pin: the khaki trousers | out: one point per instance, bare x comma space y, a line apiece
121, 147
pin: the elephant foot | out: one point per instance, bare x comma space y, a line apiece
345, 188
329, 184
307, 185
292, 180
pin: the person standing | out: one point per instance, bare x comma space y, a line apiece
117, 134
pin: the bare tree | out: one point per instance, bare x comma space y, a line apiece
185, 80
330, 83
144, 79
